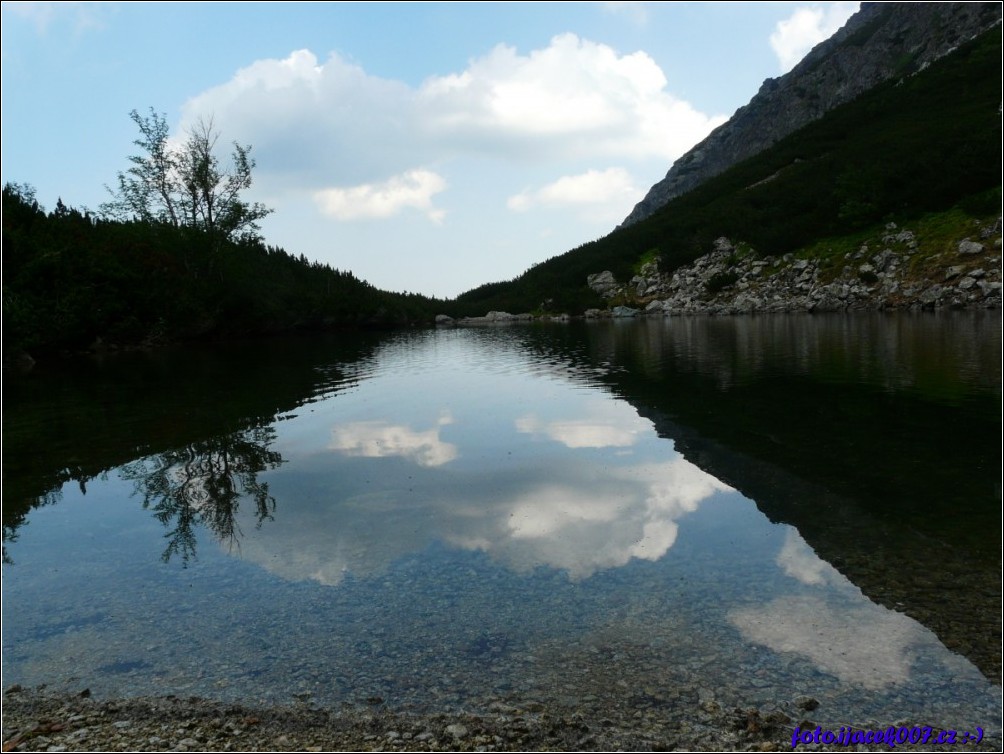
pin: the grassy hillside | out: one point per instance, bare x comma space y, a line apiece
906, 149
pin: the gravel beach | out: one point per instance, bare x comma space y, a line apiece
36, 720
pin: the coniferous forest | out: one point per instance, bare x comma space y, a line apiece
73, 280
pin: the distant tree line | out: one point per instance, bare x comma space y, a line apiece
176, 253
73, 279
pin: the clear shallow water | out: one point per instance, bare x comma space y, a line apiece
447, 519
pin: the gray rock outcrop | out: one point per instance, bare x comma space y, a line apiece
604, 283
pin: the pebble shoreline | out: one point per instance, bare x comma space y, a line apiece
36, 720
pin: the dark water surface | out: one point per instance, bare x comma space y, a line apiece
642, 514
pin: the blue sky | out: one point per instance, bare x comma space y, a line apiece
426, 147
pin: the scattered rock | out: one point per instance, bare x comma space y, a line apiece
807, 703
624, 311
954, 271
965, 284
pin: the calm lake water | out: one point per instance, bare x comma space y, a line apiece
611, 514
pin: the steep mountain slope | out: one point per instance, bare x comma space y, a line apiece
909, 147
881, 41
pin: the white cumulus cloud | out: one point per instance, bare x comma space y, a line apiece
342, 154
574, 98
805, 28
413, 189
612, 186
311, 121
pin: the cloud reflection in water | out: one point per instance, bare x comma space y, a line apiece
381, 439
602, 523
604, 427
864, 644
831, 624
799, 561
559, 508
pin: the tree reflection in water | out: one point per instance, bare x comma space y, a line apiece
204, 483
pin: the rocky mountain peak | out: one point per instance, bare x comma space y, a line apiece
881, 41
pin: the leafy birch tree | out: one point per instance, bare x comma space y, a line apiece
186, 184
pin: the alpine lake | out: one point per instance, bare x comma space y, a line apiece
641, 515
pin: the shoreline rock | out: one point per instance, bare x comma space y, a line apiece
734, 279
886, 273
